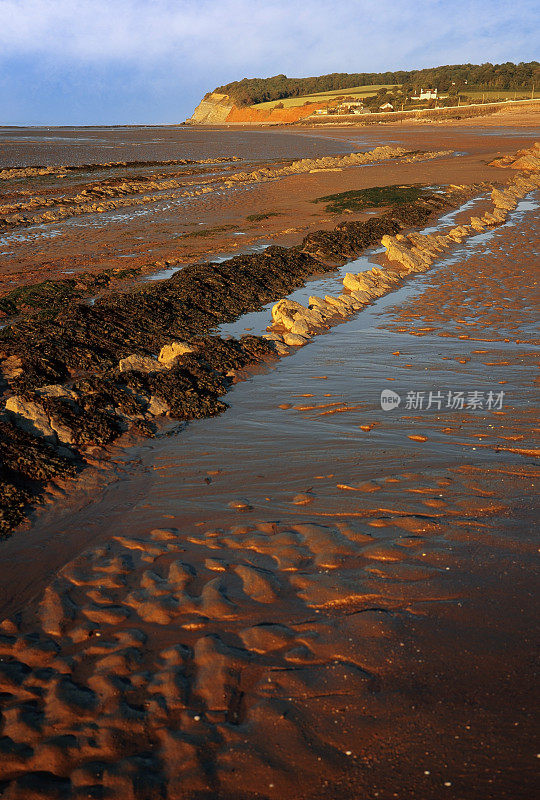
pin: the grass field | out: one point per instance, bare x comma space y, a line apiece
493, 96
359, 92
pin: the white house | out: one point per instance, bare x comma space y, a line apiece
428, 94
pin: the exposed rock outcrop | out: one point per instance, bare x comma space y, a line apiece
213, 109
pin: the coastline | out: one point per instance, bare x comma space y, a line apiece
305, 573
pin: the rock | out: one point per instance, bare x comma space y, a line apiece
240, 505
396, 250
477, 224
56, 390
352, 283
11, 368
34, 419
364, 282
300, 327
489, 218
281, 349
313, 317
285, 309
527, 162
502, 199
287, 321
135, 363
295, 340
273, 337
525, 184
157, 407
347, 301
362, 297
320, 305
340, 307
170, 352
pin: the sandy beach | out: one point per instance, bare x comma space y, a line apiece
237, 575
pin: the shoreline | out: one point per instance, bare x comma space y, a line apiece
366, 619
68, 417
145, 237
311, 595
161, 387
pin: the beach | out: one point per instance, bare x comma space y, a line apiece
271, 586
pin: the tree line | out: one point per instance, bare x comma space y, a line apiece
474, 77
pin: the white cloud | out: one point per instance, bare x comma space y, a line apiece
243, 37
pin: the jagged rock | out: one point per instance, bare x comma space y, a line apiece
135, 363
502, 199
295, 340
284, 310
525, 184
32, 417
361, 296
489, 218
311, 317
273, 337
170, 352
300, 327
352, 283
11, 368
336, 304
281, 349
424, 257
319, 304
397, 250
477, 224
527, 162
347, 301
157, 407
57, 390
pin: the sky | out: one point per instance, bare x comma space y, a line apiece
84, 62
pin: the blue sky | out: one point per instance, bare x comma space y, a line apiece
150, 61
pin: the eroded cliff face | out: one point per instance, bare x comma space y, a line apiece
212, 110
218, 109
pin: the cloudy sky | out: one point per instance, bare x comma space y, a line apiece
150, 61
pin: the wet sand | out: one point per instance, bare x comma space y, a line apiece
169, 228
306, 597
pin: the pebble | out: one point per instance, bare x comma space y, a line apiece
240, 505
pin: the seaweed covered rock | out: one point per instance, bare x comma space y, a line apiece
348, 239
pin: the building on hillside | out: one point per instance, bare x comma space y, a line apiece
351, 108
428, 94
321, 111
386, 107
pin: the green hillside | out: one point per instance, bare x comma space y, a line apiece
461, 77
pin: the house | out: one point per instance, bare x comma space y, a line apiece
428, 94
351, 108
386, 107
321, 111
